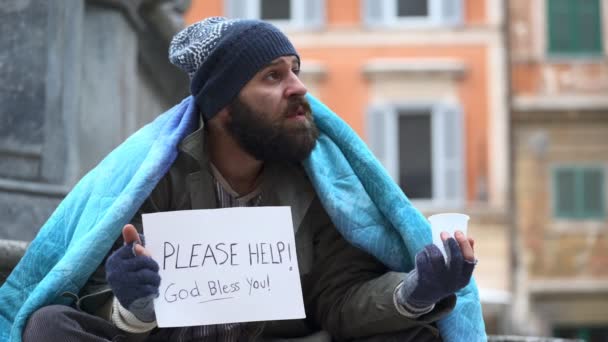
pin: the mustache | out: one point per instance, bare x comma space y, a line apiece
295, 103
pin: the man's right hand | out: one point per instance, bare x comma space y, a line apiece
133, 276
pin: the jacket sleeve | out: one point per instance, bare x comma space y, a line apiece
353, 293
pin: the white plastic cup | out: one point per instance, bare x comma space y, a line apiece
447, 222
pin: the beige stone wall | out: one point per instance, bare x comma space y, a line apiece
554, 248
493, 270
559, 117
568, 310
521, 29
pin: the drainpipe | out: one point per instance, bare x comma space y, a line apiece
517, 269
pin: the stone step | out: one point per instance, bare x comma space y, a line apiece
513, 338
11, 251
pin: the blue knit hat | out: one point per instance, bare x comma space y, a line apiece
221, 55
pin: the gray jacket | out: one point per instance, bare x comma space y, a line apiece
347, 292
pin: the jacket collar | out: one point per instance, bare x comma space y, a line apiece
194, 146
284, 184
288, 185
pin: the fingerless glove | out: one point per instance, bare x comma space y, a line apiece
134, 279
433, 279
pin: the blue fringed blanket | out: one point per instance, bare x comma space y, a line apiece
368, 208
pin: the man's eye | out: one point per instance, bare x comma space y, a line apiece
273, 75
296, 71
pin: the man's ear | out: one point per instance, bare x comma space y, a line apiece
219, 119
223, 115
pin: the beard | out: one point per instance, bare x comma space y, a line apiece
280, 139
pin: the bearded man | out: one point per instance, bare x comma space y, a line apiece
255, 129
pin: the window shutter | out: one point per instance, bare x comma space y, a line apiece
314, 13
236, 8
587, 25
451, 12
450, 154
381, 132
375, 131
561, 30
565, 193
593, 192
373, 12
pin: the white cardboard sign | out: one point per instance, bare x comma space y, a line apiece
225, 265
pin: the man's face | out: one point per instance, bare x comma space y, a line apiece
271, 119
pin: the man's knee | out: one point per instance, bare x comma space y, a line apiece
49, 314
46, 321
415, 334
52, 320
63, 323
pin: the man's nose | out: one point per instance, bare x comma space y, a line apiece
295, 86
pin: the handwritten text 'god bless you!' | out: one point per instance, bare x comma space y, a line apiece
203, 256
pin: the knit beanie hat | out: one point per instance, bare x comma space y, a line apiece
221, 55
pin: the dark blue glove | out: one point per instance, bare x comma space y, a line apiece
134, 279
433, 279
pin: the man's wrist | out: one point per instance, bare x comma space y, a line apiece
405, 308
127, 321
409, 287
143, 308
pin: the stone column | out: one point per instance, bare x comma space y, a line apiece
76, 78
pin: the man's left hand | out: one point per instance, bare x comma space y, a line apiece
433, 278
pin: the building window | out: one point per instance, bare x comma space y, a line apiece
283, 13
275, 10
421, 147
579, 192
412, 13
415, 155
574, 27
413, 8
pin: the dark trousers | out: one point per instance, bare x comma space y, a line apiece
66, 324
418, 334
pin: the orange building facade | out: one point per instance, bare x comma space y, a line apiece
424, 84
